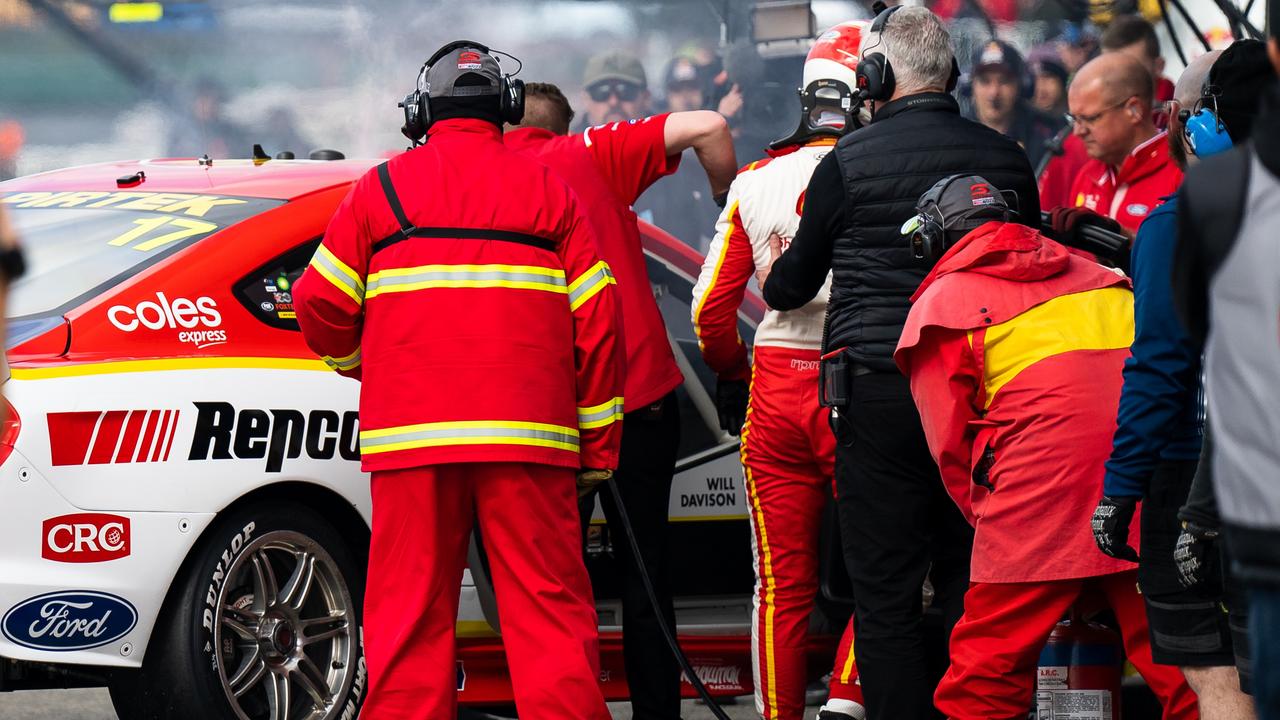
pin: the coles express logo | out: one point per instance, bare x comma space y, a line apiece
180, 314
85, 537
69, 620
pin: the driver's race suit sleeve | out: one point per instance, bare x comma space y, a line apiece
718, 294
329, 296
944, 384
599, 350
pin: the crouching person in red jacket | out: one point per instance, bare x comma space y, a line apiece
460, 283
1014, 349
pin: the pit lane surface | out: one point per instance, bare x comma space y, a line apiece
94, 704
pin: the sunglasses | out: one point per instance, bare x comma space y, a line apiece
625, 91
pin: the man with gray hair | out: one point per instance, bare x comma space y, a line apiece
897, 522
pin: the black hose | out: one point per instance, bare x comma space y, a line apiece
657, 610
1173, 34
1182, 10
1238, 19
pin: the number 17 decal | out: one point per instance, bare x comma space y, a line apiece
146, 226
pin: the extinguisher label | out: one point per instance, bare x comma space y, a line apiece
1053, 677
1073, 705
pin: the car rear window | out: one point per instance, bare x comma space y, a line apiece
78, 244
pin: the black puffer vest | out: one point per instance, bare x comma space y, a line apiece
913, 142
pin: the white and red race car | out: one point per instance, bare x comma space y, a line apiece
185, 519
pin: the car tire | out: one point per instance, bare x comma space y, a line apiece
263, 623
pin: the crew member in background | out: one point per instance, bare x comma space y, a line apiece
1013, 349
460, 282
609, 166
1050, 73
1002, 90
1134, 36
788, 451
616, 89
897, 523
1129, 170
1156, 449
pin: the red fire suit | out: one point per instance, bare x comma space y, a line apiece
459, 282
1128, 193
788, 449
1056, 180
1014, 348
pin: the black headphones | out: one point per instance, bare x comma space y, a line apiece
875, 75
928, 228
417, 104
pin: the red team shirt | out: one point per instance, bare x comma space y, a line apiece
609, 166
1129, 193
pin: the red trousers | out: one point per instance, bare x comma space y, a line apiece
788, 455
996, 646
528, 516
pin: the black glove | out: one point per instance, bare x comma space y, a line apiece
731, 404
1196, 554
1111, 526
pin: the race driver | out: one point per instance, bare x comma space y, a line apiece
788, 450
609, 166
1013, 349
460, 282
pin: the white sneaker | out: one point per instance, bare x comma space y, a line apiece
842, 710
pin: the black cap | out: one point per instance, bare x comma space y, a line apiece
1239, 77
998, 54
963, 202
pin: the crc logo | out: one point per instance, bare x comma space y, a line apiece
179, 314
223, 433
69, 620
85, 537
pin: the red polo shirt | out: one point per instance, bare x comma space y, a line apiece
1127, 194
609, 166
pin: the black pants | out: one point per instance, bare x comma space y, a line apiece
650, 446
898, 525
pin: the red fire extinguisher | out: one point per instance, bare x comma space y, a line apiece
1079, 674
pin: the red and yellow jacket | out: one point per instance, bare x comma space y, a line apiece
1014, 349
477, 315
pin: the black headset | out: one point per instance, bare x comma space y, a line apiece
875, 75
929, 235
417, 104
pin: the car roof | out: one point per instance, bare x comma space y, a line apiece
277, 179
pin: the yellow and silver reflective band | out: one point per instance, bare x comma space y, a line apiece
589, 283
469, 432
350, 362
519, 277
338, 273
600, 415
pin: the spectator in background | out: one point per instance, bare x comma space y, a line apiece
1002, 88
1077, 45
203, 130
1135, 37
616, 87
1157, 443
1129, 170
683, 86
1050, 74
1226, 279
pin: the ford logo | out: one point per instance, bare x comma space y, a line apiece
69, 620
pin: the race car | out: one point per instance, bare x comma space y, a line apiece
185, 517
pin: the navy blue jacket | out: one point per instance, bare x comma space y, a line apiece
1161, 406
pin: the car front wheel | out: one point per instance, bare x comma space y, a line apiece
265, 625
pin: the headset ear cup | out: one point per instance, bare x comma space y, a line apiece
954, 78
512, 100
1205, 134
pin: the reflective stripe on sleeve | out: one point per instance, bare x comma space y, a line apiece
519, 277
350, 362
469, 432
589, 283
600, 415
338, 273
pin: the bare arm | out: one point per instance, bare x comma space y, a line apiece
707, 132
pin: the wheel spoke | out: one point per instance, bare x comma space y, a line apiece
319, 629
298, 586
248, 617
249, 673
278, 696
264, 577
313, 681
245, 632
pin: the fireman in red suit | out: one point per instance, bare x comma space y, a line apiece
788, 449
460, 283
609, 166
1129, 170
1014, 348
